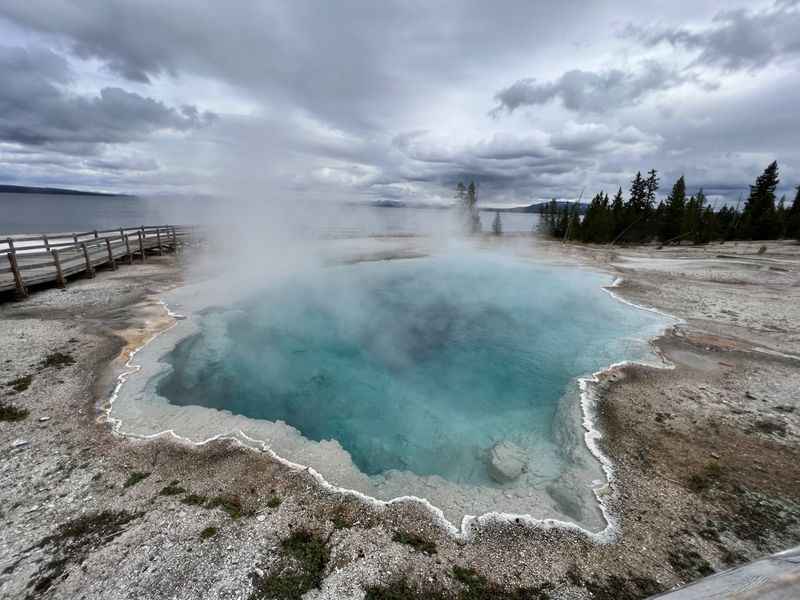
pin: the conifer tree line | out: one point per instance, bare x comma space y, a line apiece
677, 218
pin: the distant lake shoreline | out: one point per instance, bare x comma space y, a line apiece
29, 213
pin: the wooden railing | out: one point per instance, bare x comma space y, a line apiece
44, 258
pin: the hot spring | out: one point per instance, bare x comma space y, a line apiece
452, 378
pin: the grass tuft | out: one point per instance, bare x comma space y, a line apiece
11, 413
173, 489
308, 554
415, 541
194, 500
208, 532
229, 503
71, 544
274, 502
20, 384
58, 360
134, 478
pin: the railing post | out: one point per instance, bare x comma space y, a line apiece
22, 292
141, 245
89, 269
128, 248
110, 255
62, 283
158, 241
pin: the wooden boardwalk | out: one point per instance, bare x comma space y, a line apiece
775, 577
52, 258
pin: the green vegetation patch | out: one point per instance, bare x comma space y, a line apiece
58, 360
208, 532
20, 384
10, 413
340, 521
705, 479
71, 544
401, 590
614, 587
172, 489
194, 500
134, 478
473, 587
415, 541
770, 427
230, 504
307, 555
689, 565
756, 518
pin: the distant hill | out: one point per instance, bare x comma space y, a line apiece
24, 189
400, 204
536, 208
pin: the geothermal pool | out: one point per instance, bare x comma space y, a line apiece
451, 378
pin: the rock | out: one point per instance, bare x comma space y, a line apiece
567, 500
19, 443
507, 462
43, 419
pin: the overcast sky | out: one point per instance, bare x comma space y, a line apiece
397, 100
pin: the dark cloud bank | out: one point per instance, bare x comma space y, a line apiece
399, 100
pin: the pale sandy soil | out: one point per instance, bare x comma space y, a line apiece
706, 455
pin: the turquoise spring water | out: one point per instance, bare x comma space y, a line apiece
417, 365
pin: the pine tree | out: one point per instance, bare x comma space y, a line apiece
497, 226
469, 200
461, 193
758, 217
617, 215
673, 212
573, 223
793, 218
639, 208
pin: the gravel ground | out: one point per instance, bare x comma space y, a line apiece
706, 455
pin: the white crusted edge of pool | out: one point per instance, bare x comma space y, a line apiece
603, 492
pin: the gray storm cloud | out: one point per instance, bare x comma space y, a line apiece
735, 39
339, 102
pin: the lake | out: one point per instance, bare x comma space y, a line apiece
50, 213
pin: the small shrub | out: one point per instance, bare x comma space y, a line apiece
193, 500
416, 542
173, 489
71, 544
762, 249
274, 502
401, 590
689, 565
230, 504
134, 478
770, 427
468, 577
305, 572
340, 521
20, 384
208, 532
58, 360
10, 413
700, 482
